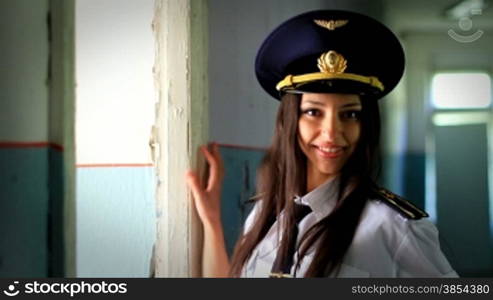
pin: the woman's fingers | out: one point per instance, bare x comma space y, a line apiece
211, 159
216, 168
220, 164
215, 162
207, 200
199, 197
194, 184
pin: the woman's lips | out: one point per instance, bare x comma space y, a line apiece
329, 152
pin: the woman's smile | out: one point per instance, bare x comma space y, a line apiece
329, 151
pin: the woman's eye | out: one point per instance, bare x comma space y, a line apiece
352, 114
312, 112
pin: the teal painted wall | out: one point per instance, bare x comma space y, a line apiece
239, 185
116, 221
414, 178
56, 226
116, 207
24, 200
463, 204
391, 173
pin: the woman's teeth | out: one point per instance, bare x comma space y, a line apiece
330, 149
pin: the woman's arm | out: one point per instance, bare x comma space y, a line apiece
419, 253
215, 262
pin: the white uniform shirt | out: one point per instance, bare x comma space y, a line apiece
385, 243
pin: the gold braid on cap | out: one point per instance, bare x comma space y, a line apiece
332, 66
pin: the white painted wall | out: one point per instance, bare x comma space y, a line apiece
115, 92
24, 71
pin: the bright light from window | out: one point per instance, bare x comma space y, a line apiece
461, 90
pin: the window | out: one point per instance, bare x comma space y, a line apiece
461, 90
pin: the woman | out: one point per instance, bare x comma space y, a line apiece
319, 211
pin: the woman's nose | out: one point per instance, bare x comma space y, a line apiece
331, 126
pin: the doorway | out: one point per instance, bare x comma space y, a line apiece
458, 169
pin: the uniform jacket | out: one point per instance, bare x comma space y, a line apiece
386, 242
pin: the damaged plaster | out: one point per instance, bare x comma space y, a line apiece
180, 77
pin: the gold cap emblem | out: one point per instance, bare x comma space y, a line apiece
331, 24
332, 62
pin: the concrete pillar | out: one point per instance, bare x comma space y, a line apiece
62, 132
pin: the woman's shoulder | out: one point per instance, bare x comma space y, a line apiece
409, 233
399, 223
396, 203
406, 240
386, 211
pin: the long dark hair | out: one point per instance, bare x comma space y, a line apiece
282, 175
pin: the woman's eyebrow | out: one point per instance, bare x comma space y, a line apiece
314, 102
354, 104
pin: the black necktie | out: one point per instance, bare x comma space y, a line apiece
282, 267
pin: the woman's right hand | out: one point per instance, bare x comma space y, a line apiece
215, 261
208, 200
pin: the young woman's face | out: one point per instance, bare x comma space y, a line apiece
328, 132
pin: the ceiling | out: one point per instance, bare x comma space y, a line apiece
429, 16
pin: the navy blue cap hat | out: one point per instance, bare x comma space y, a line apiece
330, 51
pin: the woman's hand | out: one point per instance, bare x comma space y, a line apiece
208, 199
215, 262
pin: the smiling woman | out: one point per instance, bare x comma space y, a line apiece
319, 211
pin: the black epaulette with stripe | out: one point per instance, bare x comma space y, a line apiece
401, 205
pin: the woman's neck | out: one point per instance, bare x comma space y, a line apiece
315, 179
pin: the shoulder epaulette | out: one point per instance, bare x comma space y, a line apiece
401, 205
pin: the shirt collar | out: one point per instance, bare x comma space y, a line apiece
322, 199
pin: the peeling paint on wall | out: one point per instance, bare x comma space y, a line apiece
180, 126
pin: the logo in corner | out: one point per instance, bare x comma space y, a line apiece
11, 291
465, 24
